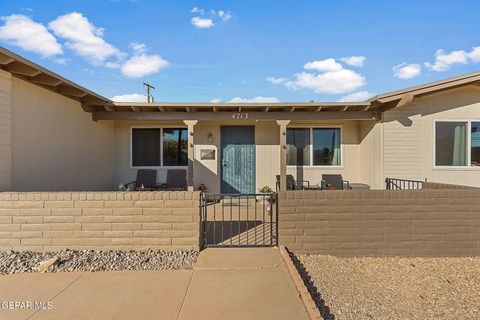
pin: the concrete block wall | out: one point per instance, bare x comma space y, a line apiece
430, 222
99, 220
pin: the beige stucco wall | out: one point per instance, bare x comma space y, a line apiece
55, 143
408, 136
371, 154
5, 131
267, 139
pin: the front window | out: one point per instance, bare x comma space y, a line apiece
155, 147
175, 151
313, 146
326, 147
475, 144
298, 147
451, 144
145, 147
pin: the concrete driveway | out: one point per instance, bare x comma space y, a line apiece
229, 283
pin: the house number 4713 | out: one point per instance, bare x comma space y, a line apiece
240, 116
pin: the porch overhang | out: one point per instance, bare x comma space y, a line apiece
237, 111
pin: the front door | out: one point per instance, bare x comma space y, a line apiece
238, 159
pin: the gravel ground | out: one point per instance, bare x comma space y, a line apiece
393, 288
89, 260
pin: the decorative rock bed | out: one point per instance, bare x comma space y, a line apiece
393, 288
89, 260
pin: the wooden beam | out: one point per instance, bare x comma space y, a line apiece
47, 80
406, 99
156, 116
21, 69
88, 108
4, 60
71, 91
109, 108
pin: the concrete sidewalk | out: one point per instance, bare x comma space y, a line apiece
225, 284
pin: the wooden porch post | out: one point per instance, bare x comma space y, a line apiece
283, 153
190, 176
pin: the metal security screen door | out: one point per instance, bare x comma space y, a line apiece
238, 159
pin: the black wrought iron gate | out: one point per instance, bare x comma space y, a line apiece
239, 220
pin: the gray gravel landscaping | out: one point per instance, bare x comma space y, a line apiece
89, 260
393, 288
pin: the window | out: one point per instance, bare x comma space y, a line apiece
316, 146
175, 151
155, 147
451, 143
326, 147
475, 144
145, 147
298, 147
457, 143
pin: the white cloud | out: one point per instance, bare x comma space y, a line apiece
138, 47
326, 65
356, 61
406, 71
225, 16
331, 78
443, 60
23, 32
258, 99
197, 10
356, 96
202, 23
276, 80
143, 65
84, 38
130, 97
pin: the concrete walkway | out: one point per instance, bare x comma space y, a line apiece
225, 284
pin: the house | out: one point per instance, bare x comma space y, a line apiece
59, 136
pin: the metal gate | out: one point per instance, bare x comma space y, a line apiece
239, 220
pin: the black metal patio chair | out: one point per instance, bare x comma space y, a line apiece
146, 180
335, 182
293, 184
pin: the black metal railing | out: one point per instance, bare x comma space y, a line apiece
403, 184
239, 220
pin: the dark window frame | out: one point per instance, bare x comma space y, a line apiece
160, 148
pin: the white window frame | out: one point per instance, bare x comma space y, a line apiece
311, 165
469, 146
161, 166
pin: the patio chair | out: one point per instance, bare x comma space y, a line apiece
146, 179
334, 181
293, 184
176, 180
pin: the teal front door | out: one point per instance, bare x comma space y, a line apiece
238, 159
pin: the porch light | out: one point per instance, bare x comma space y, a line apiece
210, 138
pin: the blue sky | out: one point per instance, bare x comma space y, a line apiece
224, 50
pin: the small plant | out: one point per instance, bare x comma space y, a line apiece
265, 189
